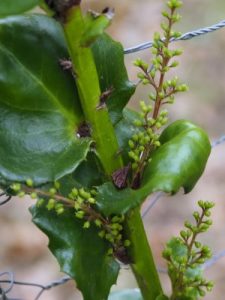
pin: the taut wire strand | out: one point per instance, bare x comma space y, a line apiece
186, 36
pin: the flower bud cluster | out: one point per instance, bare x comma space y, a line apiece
154, 74
185, 255
83, 202
146, 138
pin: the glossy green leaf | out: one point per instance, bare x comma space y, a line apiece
95, 27
109, 59
13, 7
80, 252
90, 172
39, 105
179, 162
126, 295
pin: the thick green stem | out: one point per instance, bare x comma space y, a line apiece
107, 146
89, 91
143, 265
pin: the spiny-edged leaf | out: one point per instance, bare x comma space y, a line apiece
179, 162
127, 294
39, 104
13, 7
80, 252
109, 59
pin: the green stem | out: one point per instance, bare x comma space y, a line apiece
89, 92
107, 146
143, 265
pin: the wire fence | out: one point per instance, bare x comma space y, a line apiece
7, 278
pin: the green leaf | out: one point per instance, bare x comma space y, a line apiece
109, 60
179, 162
95, 27
39, 105
13, 7
90, 172
80, 252
126, 295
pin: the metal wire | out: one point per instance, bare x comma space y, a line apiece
218, 142
186, 36
152, 203
13, 282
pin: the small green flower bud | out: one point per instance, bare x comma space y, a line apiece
137, 62
183, 234
29, 182
173, 4
196, 216
119, 237
84, 194
91, 200
197, 244
207, 213
165, 14
16, 187
145, 81
140, 75
115, 219
79, 214
131, 144
153, 73
167, 253
135, 137
21, 194
177, 34
101, 234
164, 27
158, 125
208, 222
114, 232
40, 202
203, 228
51, 204
57, 185
157, 144
74, 192
134, 166
52, 191
98, 223
110, 251
127, 243
177, 52
174, 64
33, 195
176, 18
86, 225
77, 205
138, 123
59, 209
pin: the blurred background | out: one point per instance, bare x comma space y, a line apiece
23, 248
